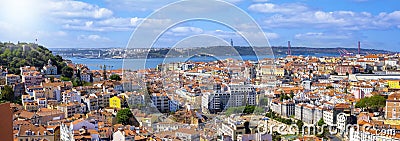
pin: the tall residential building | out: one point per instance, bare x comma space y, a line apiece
160, 101
222, 98
32, 78
12, 79
393, 106
288, 108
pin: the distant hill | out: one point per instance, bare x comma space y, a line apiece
214, 50
13, 56
277, 51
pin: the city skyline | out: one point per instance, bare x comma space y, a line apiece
106, 23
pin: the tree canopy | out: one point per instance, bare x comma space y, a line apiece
321, 122
7, 93
67, 72
124, 116
373, 103
115, 77
15, 56
249, 109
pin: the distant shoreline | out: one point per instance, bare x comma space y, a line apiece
142, 53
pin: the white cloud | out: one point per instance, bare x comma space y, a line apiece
299, 15
109, 24
328, 39
320, 35
271, 36
93, 37
290, 8
233, 1
344, 20
137, 5
261, 0
77, 9
193, 30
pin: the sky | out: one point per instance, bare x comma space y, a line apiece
110, 23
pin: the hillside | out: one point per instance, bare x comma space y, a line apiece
13, 56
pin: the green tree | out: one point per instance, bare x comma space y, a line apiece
67, 72
284, 97
321, 122
115, 77
329, 87
124, 116
325, 130
7, 93
291, 94
258, 110
249, 109
373, 103
77, 82
300, 125
65, 79
105, 72
263, 101
51, 78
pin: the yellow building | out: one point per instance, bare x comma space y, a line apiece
115, 102
280, 71
394, 84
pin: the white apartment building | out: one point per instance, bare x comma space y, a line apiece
160, 101
308, 114
236, 95
328, 117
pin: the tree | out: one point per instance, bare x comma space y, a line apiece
7, 93
249, 109
115, 77
300, 124
67, 72
51, 78
284, 97
263, 101
321, 122
105, 72
77, 82
258, 110
373, 103
329, 87
291, 94
124, 116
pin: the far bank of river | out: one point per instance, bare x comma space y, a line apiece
135, 64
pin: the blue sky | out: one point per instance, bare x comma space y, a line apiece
110, 23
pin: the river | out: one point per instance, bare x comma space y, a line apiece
135, 64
